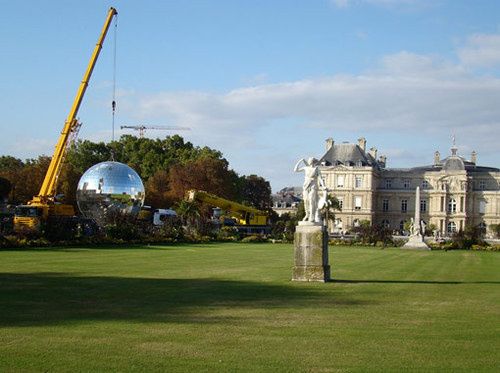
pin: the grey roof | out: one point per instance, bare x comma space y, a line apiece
348, 155
288, 198
455, 163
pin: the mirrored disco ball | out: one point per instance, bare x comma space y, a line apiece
108, 188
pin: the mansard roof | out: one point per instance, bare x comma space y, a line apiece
451, 163
347, 155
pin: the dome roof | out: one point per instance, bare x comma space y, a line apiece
454, 163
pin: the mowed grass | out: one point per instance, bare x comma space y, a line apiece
232, 307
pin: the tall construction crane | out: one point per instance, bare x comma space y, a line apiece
142, 128
43, 205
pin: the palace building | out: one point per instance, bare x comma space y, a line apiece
453, 191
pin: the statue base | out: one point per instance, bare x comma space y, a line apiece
311, 253
416, 242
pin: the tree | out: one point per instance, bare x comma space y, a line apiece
332, 204
465, 238
208, 174
495, 228
11, 169
256, 192
371, 234
25, 178
5, 187
283, 227
189, 212
8, 163
68, 182
157, 190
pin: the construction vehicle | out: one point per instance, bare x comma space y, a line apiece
161, 215
142, 128
44, 206
246, 219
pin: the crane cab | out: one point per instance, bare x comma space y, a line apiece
28, 218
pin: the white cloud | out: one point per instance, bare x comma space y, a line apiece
406, 98
481, 50
341, 3
409, 91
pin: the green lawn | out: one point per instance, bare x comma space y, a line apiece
231, 307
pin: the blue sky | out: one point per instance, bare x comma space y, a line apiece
266, 82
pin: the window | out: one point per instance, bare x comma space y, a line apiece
341, 202
404, 205
385, 205
452, 206
482, 206
357, 203
423, 205
482, 185
452, 227
388, 183
406, 184
358, 181
340, 181
425, 184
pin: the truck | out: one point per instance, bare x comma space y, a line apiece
44, 206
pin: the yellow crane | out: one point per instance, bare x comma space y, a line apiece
44, 205
142, 128
248, 219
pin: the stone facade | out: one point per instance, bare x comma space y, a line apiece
454, 191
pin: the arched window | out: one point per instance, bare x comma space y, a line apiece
452, 227
452, 205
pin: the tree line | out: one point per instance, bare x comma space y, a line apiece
168, 167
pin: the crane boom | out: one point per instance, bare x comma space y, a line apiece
142, 128
246, 215
48, 188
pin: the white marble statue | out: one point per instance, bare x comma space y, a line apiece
314, 190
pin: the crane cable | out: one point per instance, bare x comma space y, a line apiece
113, 103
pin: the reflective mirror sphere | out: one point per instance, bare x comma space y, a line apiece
107, 188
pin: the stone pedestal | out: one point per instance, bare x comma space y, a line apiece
311, 253
416, 242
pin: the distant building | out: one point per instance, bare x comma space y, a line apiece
287, 200
454, 191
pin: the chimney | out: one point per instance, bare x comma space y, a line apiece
329, 143
373, 152
382, 161
437, 158
473, 157
362, 143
